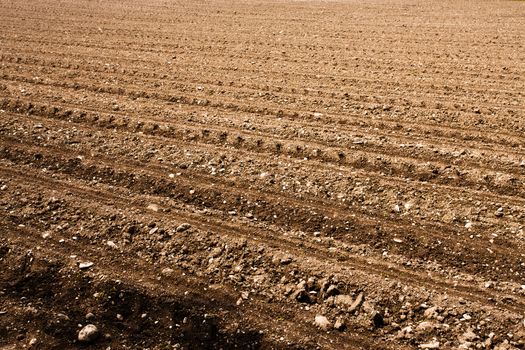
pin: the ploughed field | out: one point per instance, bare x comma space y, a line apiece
262, 174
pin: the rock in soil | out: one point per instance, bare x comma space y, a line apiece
183, 227
322, 322
340, 324
88, 334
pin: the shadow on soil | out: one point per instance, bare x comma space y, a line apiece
42, 300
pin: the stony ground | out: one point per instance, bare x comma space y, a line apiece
270, 174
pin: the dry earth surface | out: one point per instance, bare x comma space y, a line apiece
262, 174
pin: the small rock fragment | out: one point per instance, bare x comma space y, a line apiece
431, 312
85, 265
322, 322
426, 326
167, 271
340, 324
405, 333
431, 345
88, 334
183, 227
153, 207
357, 303
286, 260
343, 300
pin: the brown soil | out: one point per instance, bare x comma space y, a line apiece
231, 170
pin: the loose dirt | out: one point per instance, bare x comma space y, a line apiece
275, 175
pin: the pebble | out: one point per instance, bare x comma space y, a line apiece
88, 334
286, 260
432, 345
431, 312
343, 300
167, 271
90, 316
405, 332
112, 244
426, 326
339, 324
357, 303
183, 227
85, 265
322, 322
281, 259
153, 207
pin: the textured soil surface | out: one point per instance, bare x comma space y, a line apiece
262, 174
